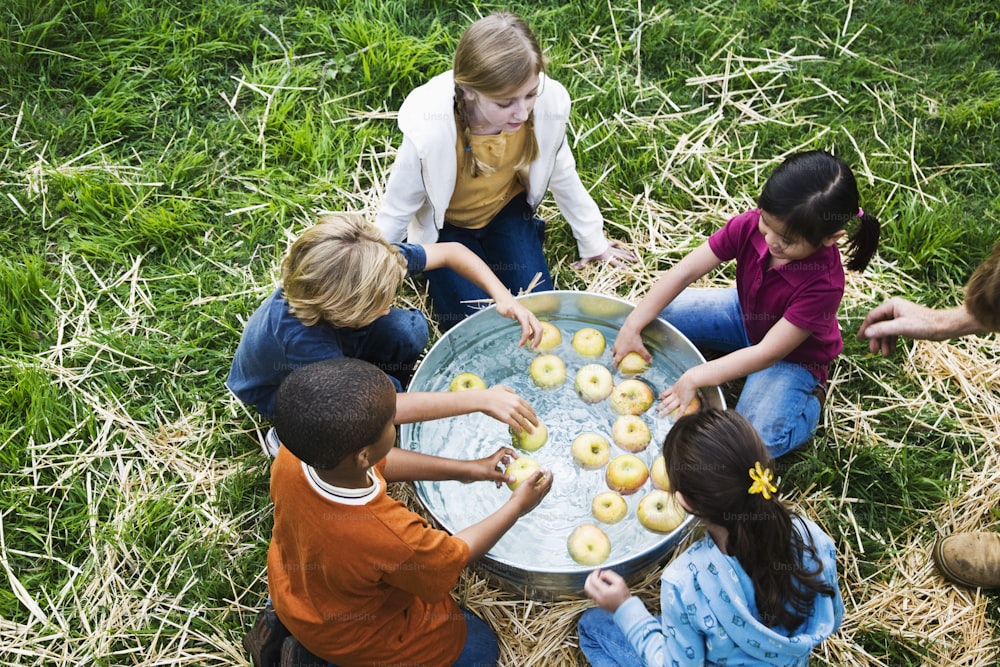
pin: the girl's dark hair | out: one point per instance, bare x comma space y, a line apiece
815, 195
708, 456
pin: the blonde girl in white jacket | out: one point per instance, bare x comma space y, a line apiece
482, 144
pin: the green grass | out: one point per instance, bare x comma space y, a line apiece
156, 158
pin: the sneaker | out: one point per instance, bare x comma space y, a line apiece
294, 654
271, 443
264, 640
970, 559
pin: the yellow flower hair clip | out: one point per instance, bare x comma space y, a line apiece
762, 481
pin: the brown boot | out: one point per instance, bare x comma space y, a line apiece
264, 640
970, 559
294, 654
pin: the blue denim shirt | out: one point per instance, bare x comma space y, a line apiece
275, 342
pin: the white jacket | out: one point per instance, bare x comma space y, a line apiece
423, 177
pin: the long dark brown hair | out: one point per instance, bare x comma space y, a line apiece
708, 456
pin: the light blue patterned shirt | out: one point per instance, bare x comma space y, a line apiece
709, 614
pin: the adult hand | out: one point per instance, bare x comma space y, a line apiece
899, 317
531, 328
503, 404
607, 589
616, 255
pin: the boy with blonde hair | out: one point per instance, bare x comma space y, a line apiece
339, 281
354, 576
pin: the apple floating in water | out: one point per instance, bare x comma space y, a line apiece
589, 342
593, 383
467, 381
609, 507
530, 442
588, 545
633, 364
660, 512
521, 468
658, 474
547, 371
551, 337
590, 450
631, 433
631, 397
626, 473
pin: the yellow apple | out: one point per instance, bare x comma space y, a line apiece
588, 545
609, 507
589, 342
631, 433
633, 364
547, 370
658, 474
631, 397
551, 337
660, 512
590, 450
464, 381
529, 442
626, 474
593, 383
692, 407
522, 468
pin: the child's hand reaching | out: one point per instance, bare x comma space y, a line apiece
531, 329
675, 399
627, 341
503, 404
615, 255
491, 468
607, 589
531, 491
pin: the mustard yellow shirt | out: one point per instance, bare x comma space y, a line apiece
476, 200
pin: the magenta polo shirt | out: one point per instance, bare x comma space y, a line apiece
806, 292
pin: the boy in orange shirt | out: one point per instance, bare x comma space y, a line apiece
355, 576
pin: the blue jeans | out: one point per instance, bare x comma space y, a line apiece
393, 342
511, 245
778, 400
603, 642
481, 648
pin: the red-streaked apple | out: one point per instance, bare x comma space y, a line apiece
631, 433
466, 381
590, 450
593, 383
626, 474
660, 512
530, 442
547, 370
633, 364
609, 507
631, 397
658, 474
551, 337
521, 468
588, 545
589, 342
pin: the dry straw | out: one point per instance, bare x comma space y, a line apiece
115, 608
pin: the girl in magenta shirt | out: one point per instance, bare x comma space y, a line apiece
778, 326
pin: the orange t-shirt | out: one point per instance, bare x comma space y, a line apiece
361, 581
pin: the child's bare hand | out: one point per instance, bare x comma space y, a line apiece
675, 400
491, 468
503, 404
531, 329
627, 341
531, 491
607, 589
616, 255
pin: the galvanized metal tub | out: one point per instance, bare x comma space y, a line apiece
532, 558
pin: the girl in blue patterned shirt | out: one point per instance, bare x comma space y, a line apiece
760, 588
